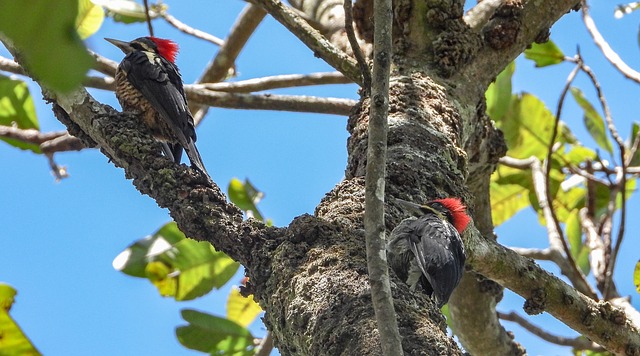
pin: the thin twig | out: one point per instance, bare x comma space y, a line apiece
374, 225
312, 38
578, 343
276, 82
567, 266
608, 52
355, 47
146, 12
550, 213
620, 185
59, 172
190, 30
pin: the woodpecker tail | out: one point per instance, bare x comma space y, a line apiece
194, 157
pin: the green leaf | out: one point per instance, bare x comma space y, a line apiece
177, 266
636, 277
49, 45
13, 341
509, 193
242, 310
245, 196
89, 19
498, 95
603, 195
579, 251
544, 54
592, 121
527, 127
214, 335
17, 109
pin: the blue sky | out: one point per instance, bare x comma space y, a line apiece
59, 239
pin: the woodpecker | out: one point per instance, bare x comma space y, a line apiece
427, 250
148, 83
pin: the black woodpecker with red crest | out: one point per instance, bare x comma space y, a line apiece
148, 83
426, 250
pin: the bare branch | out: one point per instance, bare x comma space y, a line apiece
608, 52
596, 246
29, 135
298, 103
276, 82
374, 224
479, 15
598, 321
313, 39
104, 65
355, 46
265, 346
190, 30
578, 343
218, 69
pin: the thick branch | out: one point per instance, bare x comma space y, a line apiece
599, 321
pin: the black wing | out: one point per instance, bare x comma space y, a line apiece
159, 81
439, 251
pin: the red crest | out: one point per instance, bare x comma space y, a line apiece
166, 48
458, 212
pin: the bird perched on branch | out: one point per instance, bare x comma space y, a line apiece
427, 250
149, 84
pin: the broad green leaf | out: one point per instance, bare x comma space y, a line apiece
506, 201
49, 45
177, 266
635, 161
498, 95
636, 277
592, 121
242, 310
89, 19
13, 341
17, 109
527, 127
579, 251
214, 335
544, 54
245, 196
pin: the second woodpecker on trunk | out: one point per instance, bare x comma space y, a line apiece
427, 250
149, 84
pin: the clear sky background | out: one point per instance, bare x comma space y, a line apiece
58, 240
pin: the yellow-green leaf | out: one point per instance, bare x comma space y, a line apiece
636, 277
240, 309
13, 341
246, 197
17, 109
498, 95
592, 121
544, 54
89, 19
